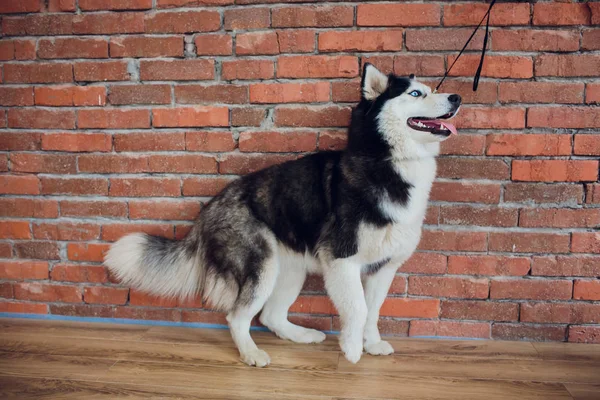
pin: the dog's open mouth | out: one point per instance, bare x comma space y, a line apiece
434, 125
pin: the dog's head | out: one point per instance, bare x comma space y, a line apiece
406, 107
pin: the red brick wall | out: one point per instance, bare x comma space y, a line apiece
125, 115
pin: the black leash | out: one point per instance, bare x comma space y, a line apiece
485, 40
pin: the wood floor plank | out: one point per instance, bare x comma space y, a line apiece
209, 355
465, 348
552, 371
221, 337
30, 388
584, 392
568, 351
73, 329
51, 366
267, 340
340, 385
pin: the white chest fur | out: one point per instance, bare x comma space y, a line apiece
399, 239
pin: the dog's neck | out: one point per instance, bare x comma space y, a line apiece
402, 146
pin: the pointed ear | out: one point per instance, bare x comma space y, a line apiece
373, 82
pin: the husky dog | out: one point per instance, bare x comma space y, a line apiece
352, 216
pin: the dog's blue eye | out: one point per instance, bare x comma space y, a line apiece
415, 93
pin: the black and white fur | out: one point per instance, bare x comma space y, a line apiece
353, 216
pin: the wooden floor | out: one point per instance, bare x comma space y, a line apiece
72, 360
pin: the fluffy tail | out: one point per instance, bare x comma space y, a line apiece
157, 265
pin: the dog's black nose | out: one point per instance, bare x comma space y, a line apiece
454, 99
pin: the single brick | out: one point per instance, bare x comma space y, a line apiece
101, 71
278, 142
488, 265
180, 70
317, 67
529, 242
44, 163
72, 48
453, 241
560, 218
555, 170
543, 193
210, 141
478, 216
572, 265
532, 289
190, 117
528, 145
97, 5
10, 96
214, 45
87, 251
66, 231
46, 292
143, 46
247, 69
561, 14
470, 168
541, 92
37, 73
586, 290
479, 310
74, 185
140, 94
93, 208
145, 187
450, 329
535, 40
465, 192
312, 116
77, 142
183, 22
398, 15
198, 94
247, 18
256, 43
565, 65
108, 23
113, 118
149, 141
105, 295
502, 15
588, 145
464, 288
389, 40
312, 16
289, 92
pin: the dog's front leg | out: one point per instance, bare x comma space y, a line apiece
377, 287
344, 286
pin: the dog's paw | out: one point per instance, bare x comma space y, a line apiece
381, 348
307, 336
352, 350
258, 358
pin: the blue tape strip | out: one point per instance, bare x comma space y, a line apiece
126, 321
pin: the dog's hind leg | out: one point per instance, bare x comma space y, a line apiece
344, 286
376, 290
275, 313
240, 317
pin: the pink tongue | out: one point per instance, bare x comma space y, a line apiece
449, 126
